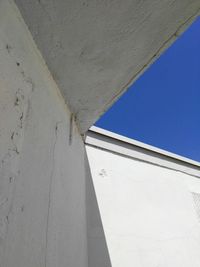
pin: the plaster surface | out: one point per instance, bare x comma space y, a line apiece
95, 49
98, 255
150, 214
49, 210
42, 167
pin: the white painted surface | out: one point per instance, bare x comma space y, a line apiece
95, 134
150, 214
42, 168
98, 255
96, 48
49, 213
122, 145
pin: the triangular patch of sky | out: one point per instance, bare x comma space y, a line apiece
162, 108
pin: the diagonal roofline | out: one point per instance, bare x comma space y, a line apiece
106, 140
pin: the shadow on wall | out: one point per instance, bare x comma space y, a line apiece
98, 255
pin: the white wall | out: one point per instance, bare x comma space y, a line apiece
42, 169
98, 255
150, 214
49, 215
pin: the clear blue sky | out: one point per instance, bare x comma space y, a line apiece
162, 108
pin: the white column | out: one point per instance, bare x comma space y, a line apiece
42, 172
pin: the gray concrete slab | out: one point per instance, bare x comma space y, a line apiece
96, 49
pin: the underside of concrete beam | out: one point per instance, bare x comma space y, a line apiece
96, 49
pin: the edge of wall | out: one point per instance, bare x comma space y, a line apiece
131, 148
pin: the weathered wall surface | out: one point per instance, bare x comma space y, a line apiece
42, 171
150, 214
49, 213
96, 48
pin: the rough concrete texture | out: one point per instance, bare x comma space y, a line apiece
95, 49
48, 208
150, 214
42, 168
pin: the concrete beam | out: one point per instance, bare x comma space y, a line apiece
96, 49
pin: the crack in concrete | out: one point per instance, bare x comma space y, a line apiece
50, 190
71, 128
3, 202
8, 48
11, 157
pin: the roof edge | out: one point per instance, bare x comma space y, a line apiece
103, 139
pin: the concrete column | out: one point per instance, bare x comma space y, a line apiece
42, 172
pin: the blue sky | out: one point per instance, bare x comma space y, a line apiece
162, 108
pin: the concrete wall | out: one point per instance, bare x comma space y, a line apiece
42, 168
49, 210
150, 212
98, 255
